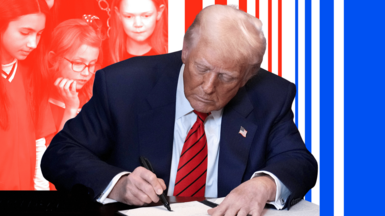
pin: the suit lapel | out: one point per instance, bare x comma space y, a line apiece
156, 126
234, 148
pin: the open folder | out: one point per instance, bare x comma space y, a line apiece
303, 208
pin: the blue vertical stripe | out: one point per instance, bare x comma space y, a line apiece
308, 65
364, 107
296, 61
327, 107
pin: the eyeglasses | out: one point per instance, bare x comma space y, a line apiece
80, 66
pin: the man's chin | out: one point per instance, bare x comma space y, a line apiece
202, 107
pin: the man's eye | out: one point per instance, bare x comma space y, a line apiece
202, 69
226, 78
24, 33
129, 17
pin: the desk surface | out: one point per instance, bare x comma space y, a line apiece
9, 198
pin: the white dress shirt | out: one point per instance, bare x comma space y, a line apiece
184, 120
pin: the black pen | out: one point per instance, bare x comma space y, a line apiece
146, 164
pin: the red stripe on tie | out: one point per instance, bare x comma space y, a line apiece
280, 38
191, 9
257, 8
243, 5
270, 32
221, 2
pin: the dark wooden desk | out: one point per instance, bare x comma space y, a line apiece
113, 208
71, 204
20, 202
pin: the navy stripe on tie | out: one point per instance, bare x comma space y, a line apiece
191, 171
192, 133
192, 145
192, 184
199, 189
193, 157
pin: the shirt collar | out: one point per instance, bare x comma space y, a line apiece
183, 106
7, 72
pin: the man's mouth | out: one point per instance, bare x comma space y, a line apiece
204, 99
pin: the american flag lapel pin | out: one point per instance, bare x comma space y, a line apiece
243, 131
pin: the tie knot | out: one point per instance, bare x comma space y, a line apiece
202, 116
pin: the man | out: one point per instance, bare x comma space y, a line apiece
210, 105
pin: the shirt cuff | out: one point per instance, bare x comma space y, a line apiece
282, 191
103, 197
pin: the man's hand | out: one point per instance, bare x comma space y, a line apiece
249, 198
138, 188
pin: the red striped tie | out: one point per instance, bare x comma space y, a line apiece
192, 169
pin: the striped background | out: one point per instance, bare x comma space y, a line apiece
305, 45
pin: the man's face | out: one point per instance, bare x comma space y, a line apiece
210, 81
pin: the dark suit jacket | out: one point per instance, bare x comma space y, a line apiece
132, 114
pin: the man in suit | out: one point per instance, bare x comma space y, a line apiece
208, 118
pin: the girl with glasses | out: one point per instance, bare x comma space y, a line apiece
22, 23
73, 58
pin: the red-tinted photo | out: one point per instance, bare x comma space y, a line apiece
50, 51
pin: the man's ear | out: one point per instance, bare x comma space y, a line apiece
185, 52
250, 73
160, 11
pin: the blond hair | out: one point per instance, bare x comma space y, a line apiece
117, 40
67, 37
237, 35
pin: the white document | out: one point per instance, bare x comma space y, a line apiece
178, 209
303, 208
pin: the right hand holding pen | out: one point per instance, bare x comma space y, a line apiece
138, 188
67, 90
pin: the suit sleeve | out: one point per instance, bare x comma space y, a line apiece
288, 157
75, 154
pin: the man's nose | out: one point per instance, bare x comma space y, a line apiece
209, 82
138, 22
32, 42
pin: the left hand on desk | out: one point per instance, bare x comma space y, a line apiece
249, 198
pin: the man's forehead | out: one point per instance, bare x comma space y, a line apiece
211, 56
219, 66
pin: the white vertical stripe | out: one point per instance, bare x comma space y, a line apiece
339, 107
251, 7
275, 36
233, 2
288, 41
175, 25
301, 68
263, 16
206, 3
315, 90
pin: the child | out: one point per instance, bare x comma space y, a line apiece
73, 59
137, 28
21, 25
